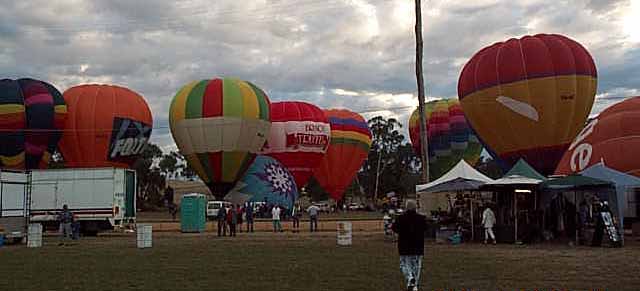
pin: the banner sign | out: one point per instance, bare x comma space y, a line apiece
128, 139
298, 136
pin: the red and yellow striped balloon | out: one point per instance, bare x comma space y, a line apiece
349, 148
528, 98
219, 126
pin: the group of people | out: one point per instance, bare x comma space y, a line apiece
296, 214
231, 219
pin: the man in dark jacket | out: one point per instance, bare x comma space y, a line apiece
410, 228
222, 221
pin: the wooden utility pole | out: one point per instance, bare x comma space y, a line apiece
423, 122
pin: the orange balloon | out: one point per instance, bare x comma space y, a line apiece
107, 126
349, 148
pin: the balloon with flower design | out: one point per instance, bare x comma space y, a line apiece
266, 180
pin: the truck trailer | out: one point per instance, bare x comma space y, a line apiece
100, 199
14, 197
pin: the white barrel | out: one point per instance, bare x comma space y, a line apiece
34, 235
144, 235
344, 233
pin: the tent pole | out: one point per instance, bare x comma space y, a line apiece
515, 206
472, 226
575, 204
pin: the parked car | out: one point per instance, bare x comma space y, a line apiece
355, 206
214, 206
324, 207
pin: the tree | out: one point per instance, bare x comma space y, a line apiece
315, 191
150, 180
169, 164
392, 165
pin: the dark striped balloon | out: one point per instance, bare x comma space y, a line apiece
32, 116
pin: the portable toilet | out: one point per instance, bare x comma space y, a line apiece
193, 212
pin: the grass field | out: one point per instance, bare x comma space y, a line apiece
286, 261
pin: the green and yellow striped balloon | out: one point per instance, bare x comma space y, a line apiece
219, 126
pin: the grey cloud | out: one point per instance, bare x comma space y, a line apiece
292, 49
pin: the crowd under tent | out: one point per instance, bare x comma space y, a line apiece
627, 187
462, 178
521, 180
562, 195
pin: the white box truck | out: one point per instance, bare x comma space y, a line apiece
14, 187
100, 199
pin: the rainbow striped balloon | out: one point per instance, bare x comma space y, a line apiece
219, 126
349, 148
450, 138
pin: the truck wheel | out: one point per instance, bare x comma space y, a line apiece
89, 228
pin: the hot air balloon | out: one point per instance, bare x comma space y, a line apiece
107, 126
349, 148
298, 138
219, 126
528, 98
266, 180
449, 136
613, 137
32, 115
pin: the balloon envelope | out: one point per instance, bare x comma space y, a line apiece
107, 126
613, 137
529, 97
219, 125
349, 148
32, 115
298, 138
266, 180
450, 138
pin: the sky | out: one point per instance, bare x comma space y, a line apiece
353, 54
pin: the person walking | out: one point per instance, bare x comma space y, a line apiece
410, 228
295, 217
232, 220
488, 221
222, 221
173, 210
313, 211
240, 213
248, 210
275, 217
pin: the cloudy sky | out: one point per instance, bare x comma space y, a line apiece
357, 54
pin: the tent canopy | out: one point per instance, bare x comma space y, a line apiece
602, 172
515, 180
575, 182
461, 177
522, 168
521, 175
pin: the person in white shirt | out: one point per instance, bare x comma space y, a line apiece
488, 221
275, 217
